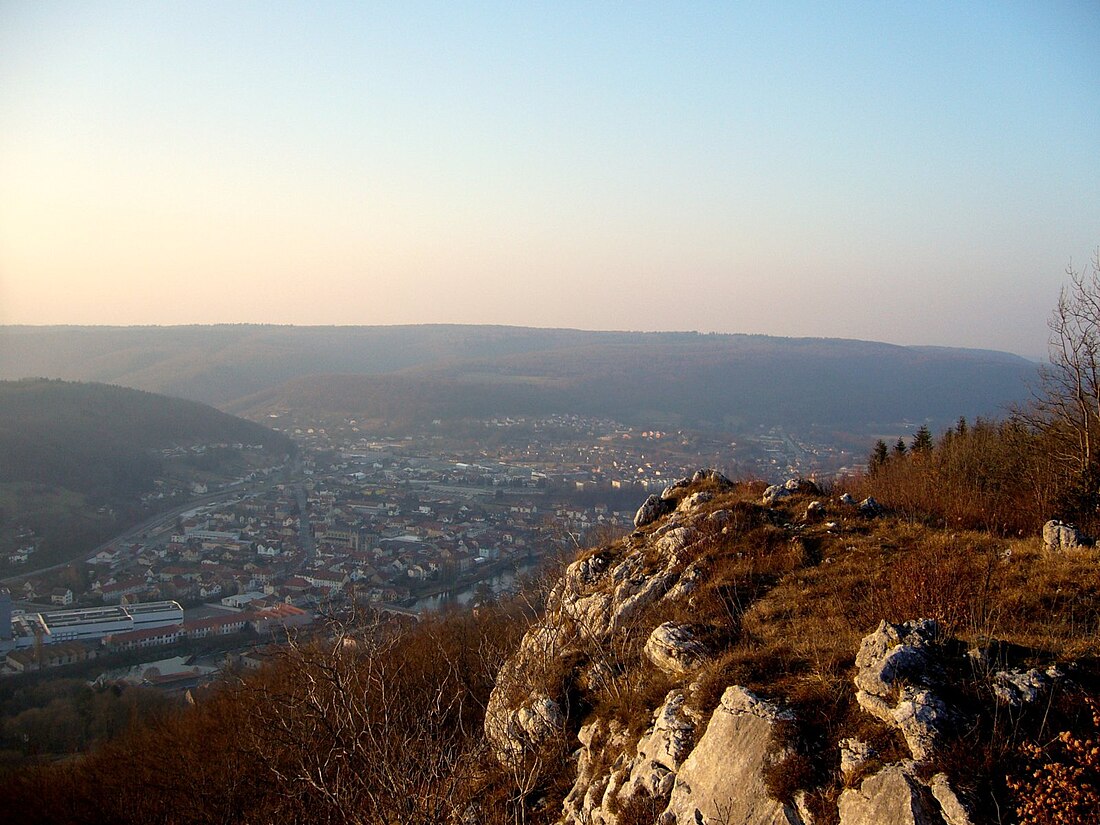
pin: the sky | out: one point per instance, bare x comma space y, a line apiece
918, 173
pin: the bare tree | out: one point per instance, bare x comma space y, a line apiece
357, 729
1068, 404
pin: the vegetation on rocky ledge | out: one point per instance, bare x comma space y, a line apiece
386, 723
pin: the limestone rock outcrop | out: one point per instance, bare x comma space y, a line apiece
723, 778
674, 648
1058, 536
815, 511
893, 796
870, 507
896, 668
775, 493
694, 758
652, 509
1018, 687
514, 732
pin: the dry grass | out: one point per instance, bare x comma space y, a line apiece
782, 607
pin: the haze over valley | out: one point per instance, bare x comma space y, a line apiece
549, 414
403, 376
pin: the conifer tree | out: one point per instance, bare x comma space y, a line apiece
879, 456
899, 448
922, 441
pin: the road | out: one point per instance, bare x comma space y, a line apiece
305, 534
160, 521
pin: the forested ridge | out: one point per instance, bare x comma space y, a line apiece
100, 439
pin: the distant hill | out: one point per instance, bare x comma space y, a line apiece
97, 439
219, 364
409, 374
725, 381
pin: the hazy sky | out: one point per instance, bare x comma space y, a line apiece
907, 172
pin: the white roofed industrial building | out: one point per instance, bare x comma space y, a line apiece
87, 624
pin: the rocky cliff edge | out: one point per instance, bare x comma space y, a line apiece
724, 664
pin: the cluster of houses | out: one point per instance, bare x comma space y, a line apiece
24, 546
385, 538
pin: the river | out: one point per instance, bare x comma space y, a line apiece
502, 582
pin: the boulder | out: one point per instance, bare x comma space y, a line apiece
1022, 687
803, 486
895, 668
652, 509
848, 500
870, 507
896, 652
893, 796
774, 493
674, 649
815, 511
711, 476
722, 780
670, 491
1058, 536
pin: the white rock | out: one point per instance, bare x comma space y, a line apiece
723, 778
870, 507
675, 540
670, 491
951, 807
674, 649
712, 476
854, 754
890, 797
895, 666
1019, 687
815, 511
774, 493
695, 500
516, 732
652, 509
1058, 536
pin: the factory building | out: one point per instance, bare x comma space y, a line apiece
92, 624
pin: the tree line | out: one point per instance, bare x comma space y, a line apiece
1041, 462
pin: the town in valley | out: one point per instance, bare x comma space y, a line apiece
356, 520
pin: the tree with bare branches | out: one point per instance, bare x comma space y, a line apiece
1065, 410
1069, 399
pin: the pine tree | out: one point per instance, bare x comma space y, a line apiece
922, 442
879, 456
899, 448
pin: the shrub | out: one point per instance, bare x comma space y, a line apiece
1062, 783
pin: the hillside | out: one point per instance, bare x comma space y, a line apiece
96, 438
414, 374
77, 460
745, 656
218, 364
729, 381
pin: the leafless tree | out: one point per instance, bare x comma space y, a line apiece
355, 731
1068, 404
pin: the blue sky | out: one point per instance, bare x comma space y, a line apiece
915, 173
